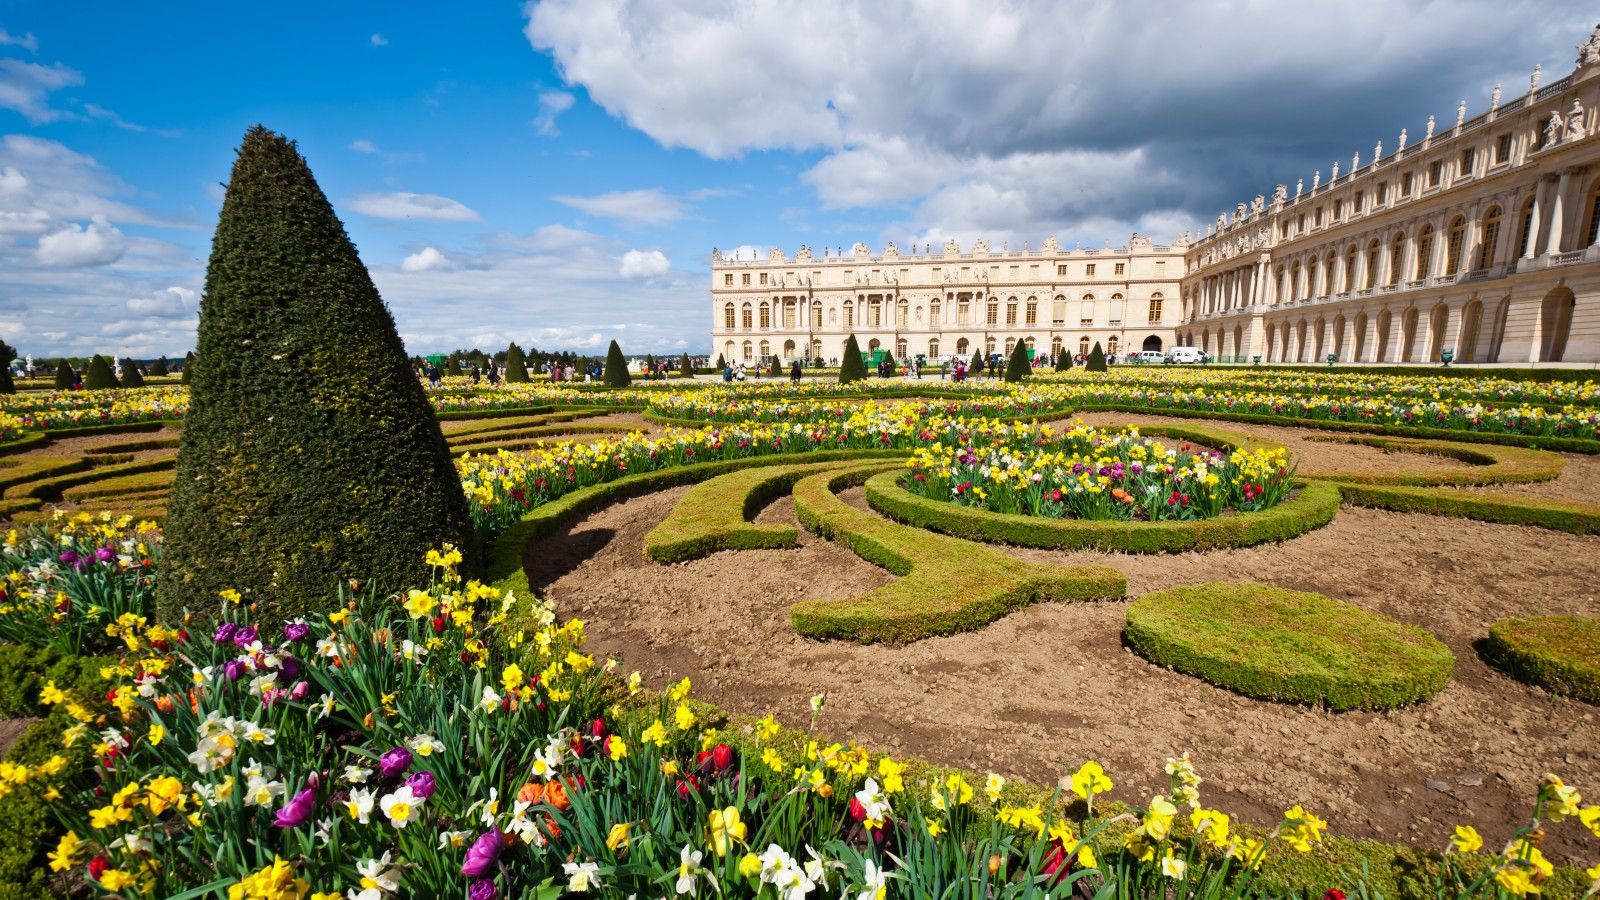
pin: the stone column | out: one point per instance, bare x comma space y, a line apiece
1552, 242
1530, 249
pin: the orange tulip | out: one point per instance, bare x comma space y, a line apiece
531, 793
555, 794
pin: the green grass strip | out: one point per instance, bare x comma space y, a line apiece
1504, 509
1315, 507
51, 488
1491, 465
715, 515
141, 482
30, 468
1276, 644
946, 586
1558, 653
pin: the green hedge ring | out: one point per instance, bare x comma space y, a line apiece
1558, 653
1490, 464
1315, 507
715, 515
1502, 509
1276, 644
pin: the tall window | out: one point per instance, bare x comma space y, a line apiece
1111, 344
1155, 309
1089, 270
1424, 252
1032, 312
1058, 310
1491, 237
1452, 256
766, 349
1330, 270
1524, 229
1469, 158
1397, 255
746, 317
901, 314
816, 315
1372, 264
1119, 269
766, 319
1350, 269
1594, 215
933, 314
1086, 310
1405, 185
745, 279
1083, 345
1435, 172
1011, 312
1116, 309
727, 317
1055, 346
849, 314
727, 279
964, 313
933, 347
993, 314
763, 281
1502, 148
1294, 281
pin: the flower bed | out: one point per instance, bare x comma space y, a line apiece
1559, 653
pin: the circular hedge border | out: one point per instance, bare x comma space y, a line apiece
1277, 644
1559, 653
1316, 505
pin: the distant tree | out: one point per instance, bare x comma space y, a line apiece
188, 367
1063, 360
516, 365
99, 376
851, 368
616, 371
130, 374
1019, 367
1097, 360
65, 376
159, 367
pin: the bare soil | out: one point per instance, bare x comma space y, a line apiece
75, 446
1039, 691
10, 731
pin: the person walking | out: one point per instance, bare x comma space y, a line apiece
476, 375
493, 373
794, 373
433, 376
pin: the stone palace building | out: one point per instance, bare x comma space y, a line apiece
1481, 238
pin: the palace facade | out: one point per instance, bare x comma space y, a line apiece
946, 303
1480, 238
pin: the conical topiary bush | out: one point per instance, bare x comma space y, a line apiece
310, 454
977, 361
99, 377
188, 368
65, 376
159, 367
616, 374
1018, 367
7, 354
516, 365
130, 374
453, 367
686, 367
721, 363
1063, 360
1097, 360
851, 367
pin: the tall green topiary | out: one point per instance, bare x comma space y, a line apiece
453, 367
1018, 367
159, 367
721, 363
685, 366
99, 377
851, 368
310, 454
516, 365
1097, 360
776, 369
130, 374
977, 361
7, 354
1063, 361
188, 368
616, 374
64, 375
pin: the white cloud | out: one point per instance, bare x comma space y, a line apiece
551, 104
379, 40
652, 206
27, 41
548, 237
423, 260
98, 245
362, 145
644, 264
417, 207
171, 302
26, 87
968, 101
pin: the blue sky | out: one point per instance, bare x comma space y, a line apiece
557, 172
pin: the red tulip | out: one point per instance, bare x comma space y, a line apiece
722, 755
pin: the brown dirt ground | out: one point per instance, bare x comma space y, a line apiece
10, 730
75, 446
1049, 686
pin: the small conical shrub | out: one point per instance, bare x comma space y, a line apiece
616, 374
453, 367
1063, 360
7, 354
310, 454
64, 375
130, 374
977, 361
851, 368
99, 377
686, 367
159, 367
516, 365
1097, 360
721, 363
188, 368
1018, 367
776, 370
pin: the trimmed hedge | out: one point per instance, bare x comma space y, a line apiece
139, 483
1558, 653
51, 488
1315, 507
1501, 465
22, 471
1504, 509
715, 515
946, 586
166, 443
456, 415
1276, 644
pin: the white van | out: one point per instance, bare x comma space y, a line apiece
1185, 355
1148, 357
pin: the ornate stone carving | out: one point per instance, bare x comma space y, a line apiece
1555, 129
1139, 242
1589, 53
776, 255
1050, 245
1222, 221
1280, 194
951, 248
981, 245
716, 255
805, 253
1263, 234
862, 251
1239, 214
1575, 129
1258, 206
892, 251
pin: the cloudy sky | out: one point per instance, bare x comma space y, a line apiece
556, 172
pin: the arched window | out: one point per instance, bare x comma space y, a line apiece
1055, 346
1452, 256
1029, 341
1385, 322
902, 310
1408, 334
1524, 229
1373, 251
1058, 310
1329, 268
962, 346
934, 312
788, 349
1471, 324
1360, 351
900, 349
1491, 237
993, 315
749, 351
1011, 344
1011, 311
988, 346
849, 314
1397, 255
1350, 269
727, 317
766, 319
1083, 345
1594, 216
1154, 315
1320, 332
1031, 313
1111, 344
873, 345
766, 349
816, 349
933, 347
1086, 310
1116, 309
1294, 280
746, 319
1438, 321
1424, 252
1555, 323
1338, 336
1498, 333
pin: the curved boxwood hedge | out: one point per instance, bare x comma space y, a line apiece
1503, 509
1496, 465
1559, 653
1315, 506
1277, 644
715, 515
946, 586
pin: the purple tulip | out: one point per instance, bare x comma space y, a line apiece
482, 889
394, 762
225, 633
299, 691
105, 554
68, 558
296, 631
246, 636
289, 667
421, 784
234, 669
482, 853
297, 811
